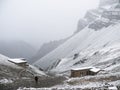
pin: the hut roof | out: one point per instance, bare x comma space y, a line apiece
17, 60
93, 69
83, 68
112, 88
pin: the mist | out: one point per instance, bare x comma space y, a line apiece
40, 21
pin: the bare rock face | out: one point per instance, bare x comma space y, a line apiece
82, 23
107, 2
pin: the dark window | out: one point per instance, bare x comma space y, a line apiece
88, 73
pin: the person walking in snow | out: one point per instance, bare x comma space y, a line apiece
36, 79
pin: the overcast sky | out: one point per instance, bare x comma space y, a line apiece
38, 21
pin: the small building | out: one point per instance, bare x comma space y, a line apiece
112, 88
79, 72
19, 61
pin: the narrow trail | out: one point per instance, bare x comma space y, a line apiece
42, 82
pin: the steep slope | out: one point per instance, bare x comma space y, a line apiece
82, 23
101, 32
13, 76
89, 17
86, 39
17, 49
107, 2
106, 58
46, 48
11, 70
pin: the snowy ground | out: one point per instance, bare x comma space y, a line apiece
106, 58
88, 82
4, 81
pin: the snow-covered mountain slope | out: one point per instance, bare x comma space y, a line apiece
11, 70
106, 58
100, 33
46, 48
90, 16
85, 40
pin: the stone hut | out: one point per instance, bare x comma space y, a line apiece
19, 61
80, 72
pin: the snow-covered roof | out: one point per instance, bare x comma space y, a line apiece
83, 68
112, 88
93, 69
17, 60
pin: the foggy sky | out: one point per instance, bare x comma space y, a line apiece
38, 21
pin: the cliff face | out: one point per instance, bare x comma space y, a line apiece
95, 14
82, 23
107, 2
89, 17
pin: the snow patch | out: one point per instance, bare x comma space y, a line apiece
5, 81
